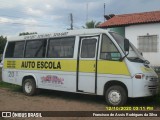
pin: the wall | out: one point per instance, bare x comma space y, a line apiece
131, 32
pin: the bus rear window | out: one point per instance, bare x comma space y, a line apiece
15, 49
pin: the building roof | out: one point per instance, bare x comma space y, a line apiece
132, 19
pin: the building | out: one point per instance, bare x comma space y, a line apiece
142, 29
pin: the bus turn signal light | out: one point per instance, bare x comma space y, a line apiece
139, 76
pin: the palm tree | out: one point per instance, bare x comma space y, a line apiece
91, 24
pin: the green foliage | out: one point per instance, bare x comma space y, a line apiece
3, 41
27, 33
91, 24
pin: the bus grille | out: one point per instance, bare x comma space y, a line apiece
154, 79
153, 89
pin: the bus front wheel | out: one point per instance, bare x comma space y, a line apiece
115, 96
29, 87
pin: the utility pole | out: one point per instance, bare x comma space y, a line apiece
104, 11
71, 18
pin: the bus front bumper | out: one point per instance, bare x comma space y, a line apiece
145, 87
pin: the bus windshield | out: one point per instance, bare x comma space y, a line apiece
134, 55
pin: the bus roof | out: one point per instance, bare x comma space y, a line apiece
59, 34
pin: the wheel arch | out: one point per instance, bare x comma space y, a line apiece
29, 76
115, 82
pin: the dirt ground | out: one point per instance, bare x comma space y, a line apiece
15, 100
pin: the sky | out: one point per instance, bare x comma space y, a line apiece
46, 16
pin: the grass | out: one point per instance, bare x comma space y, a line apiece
10, 86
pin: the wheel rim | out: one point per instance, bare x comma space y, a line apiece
28, 87
114, 97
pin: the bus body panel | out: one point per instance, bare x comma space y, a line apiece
47, 76
105, 78
78, 74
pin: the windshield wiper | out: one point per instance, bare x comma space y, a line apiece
137, 59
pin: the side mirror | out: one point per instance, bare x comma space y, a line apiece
126, 44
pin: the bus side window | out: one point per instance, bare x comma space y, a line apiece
35, 48
108, 49
88, 48
61, 47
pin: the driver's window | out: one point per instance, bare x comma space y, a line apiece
108, 49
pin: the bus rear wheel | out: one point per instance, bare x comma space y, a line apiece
115, 96
29, 87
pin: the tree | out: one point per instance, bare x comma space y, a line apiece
3, 41
27, 33
91, 24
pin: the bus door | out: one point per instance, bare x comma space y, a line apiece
87, 64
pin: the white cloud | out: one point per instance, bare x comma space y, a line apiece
34, 12
29, 21
56, 17
48, 7
3, 20
8, 4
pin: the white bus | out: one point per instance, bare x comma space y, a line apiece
92, 61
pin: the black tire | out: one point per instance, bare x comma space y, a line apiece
115, 96
29, 87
